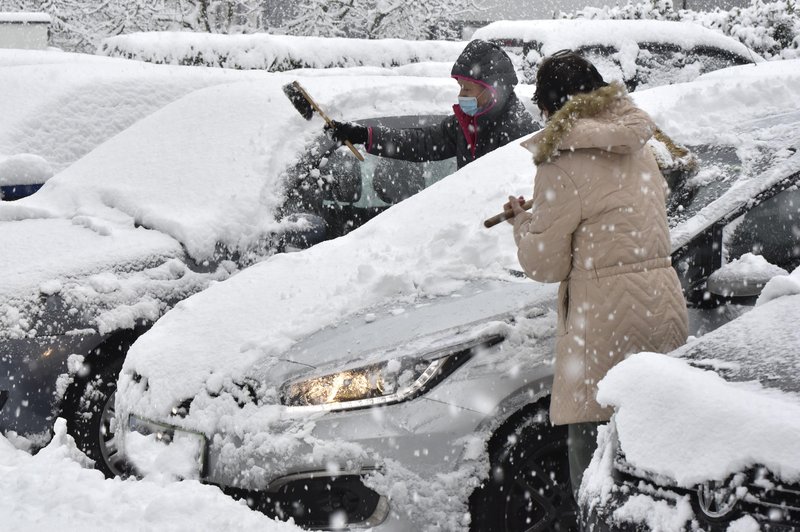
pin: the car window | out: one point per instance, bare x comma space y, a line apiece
718, 167
385, 181
331, 184
770, 229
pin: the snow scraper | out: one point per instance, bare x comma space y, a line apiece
306, 106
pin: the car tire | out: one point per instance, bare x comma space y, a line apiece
529, 484
88, 408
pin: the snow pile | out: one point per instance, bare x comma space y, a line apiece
61, 106
686, 423
743, 276
784, 285
56, 490
223, 187
274, 52
24, 169
25, 18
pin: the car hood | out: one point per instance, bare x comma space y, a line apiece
762, 346
413, 328
45, 257
266, 309
723, 403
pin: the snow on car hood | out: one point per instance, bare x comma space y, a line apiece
428, 245
271, 305
105, 275
691, 425
207, 168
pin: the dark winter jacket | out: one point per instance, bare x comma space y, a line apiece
465, 137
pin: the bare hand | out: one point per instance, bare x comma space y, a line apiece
513, 208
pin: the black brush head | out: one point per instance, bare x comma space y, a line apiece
299, 101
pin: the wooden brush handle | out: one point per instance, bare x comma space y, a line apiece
505, 215
325, 117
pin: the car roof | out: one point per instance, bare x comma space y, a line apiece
554, 35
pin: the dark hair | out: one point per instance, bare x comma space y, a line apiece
561, 75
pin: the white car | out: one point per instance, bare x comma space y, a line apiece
219, 179
398, 378
640, 53
58, 106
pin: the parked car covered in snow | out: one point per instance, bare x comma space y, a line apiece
398, 377
59, 106
220, 179
641, 53
706, 437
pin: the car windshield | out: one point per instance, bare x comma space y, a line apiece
723, 167
331, 183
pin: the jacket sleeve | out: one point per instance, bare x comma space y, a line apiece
544, 236
432, 143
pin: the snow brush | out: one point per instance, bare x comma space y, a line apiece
505, 215
306, 106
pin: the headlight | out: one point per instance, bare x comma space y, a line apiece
382, 383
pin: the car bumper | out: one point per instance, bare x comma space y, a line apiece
321, 478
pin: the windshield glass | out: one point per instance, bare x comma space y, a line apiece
754, 148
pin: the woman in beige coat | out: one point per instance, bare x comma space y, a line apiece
599, 227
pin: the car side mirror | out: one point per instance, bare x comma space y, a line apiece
741, 280
307, 230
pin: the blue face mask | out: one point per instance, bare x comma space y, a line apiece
468, 104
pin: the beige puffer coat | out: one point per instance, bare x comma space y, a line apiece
599, 226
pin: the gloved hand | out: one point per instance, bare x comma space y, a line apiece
342, 131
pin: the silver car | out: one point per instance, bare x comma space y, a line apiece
422, 411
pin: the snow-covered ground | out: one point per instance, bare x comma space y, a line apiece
56, 489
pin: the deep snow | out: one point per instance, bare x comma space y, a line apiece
441, 245
56, 489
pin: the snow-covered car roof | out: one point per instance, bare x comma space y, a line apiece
427, 246
554, 35
206, 169
60, 106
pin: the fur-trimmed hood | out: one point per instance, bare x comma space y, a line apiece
605, 119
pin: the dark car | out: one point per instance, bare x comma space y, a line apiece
724, 267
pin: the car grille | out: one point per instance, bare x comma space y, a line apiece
777, 504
